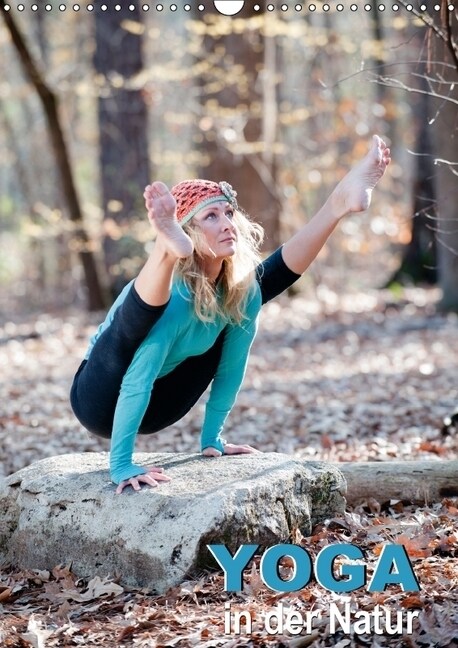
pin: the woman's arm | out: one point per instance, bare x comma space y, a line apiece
135, 393
229, 375
274, 276
132, 403
303, 247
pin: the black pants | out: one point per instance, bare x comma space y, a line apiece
97, 383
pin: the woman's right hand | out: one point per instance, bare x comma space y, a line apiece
152, 477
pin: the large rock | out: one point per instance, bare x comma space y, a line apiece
65, 510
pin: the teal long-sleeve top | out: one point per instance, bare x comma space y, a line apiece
177, 335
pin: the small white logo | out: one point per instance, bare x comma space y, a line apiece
228, 7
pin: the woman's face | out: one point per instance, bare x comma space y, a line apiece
217, 224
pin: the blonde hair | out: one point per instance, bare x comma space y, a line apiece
237, 278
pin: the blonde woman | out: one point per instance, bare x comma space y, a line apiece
191, 315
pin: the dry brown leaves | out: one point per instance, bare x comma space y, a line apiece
348, 378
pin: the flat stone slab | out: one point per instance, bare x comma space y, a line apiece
64, 510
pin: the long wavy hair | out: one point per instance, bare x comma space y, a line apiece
227, 296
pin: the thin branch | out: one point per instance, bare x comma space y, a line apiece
436, 160
447, 35
426, 20
447, 247
392, 83
430, 79
439, 161
450, 43
384, 66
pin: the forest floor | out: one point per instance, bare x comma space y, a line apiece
361, 377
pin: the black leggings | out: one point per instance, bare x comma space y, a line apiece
97, 383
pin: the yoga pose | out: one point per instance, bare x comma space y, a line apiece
191, 315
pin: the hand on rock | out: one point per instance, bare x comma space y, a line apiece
152, 478
233, 449
230, 449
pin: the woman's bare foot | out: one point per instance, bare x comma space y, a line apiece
161, 207
354, 191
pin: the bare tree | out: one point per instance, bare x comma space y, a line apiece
50, 105
123, 133
419, 257
445, 123
439, 82
239, 113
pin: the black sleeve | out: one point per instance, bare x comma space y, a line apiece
274, 276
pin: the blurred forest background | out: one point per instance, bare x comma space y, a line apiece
359, 365
94, 105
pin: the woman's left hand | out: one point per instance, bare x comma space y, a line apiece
152, 477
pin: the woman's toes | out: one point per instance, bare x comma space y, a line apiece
161, 206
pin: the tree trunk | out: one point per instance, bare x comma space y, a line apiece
419, 257
383, 93
413, 481
50, 107
123, 127
239, 121
445, 128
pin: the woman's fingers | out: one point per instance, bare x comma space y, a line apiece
152, 478
158, 476
232, 449
128, 482
211, 452
157, 469
155, 474
134, 482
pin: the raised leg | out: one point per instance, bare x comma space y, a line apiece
354, 191
96, 386
352, 194
154, 280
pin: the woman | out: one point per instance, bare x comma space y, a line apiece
190, 316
